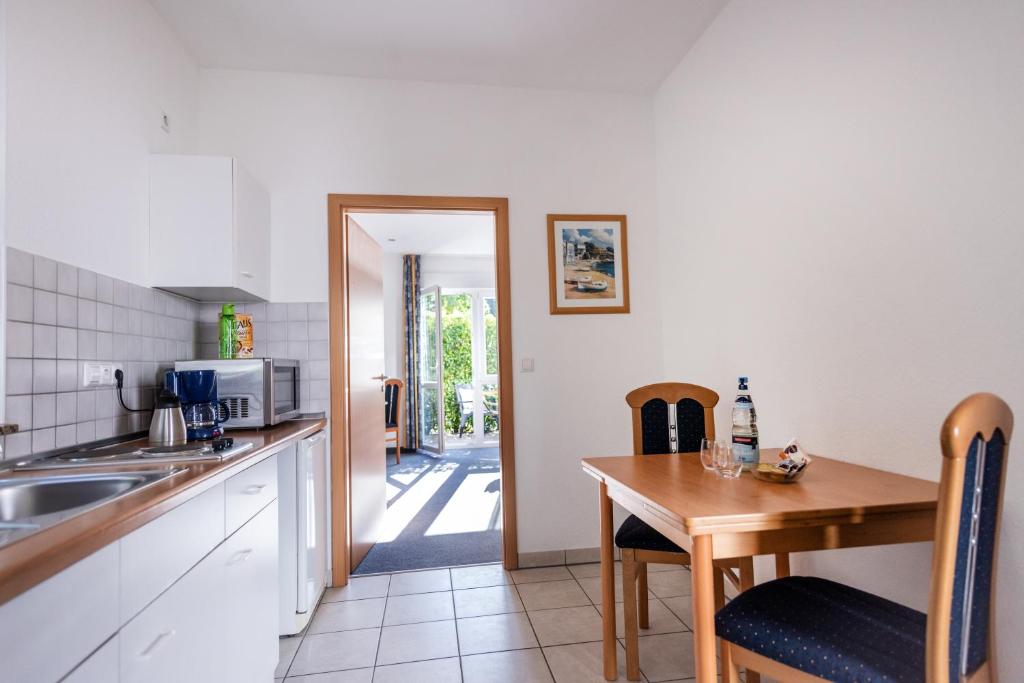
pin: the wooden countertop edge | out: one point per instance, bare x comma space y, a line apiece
740, 523
34, 559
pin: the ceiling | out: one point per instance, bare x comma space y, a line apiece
612, 45
430, 233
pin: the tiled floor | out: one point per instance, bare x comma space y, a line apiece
483, 624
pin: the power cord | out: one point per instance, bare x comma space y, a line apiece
119, 377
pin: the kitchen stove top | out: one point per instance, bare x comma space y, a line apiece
140, 453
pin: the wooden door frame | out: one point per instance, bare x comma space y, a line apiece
338, 205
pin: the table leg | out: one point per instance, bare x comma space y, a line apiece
703, 570
611, 666
719, 604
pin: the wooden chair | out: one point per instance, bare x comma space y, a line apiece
806, 629
668, 417
394, 393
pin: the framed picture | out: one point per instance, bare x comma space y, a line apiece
588, 264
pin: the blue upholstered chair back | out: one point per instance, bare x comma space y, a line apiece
975, 441
671, 416
657, 431
391, 404
975, 556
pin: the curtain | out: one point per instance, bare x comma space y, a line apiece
411, 290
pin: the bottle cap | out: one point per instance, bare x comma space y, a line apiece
227, 309
743, 380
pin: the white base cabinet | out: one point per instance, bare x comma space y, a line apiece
250, 561
214, 620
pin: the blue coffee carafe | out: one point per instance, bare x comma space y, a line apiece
203, 411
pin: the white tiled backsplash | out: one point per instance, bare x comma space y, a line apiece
60, 316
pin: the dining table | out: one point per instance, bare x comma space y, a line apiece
834, 504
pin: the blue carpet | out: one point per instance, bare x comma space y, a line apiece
413, 549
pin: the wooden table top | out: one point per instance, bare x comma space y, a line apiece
679, 488
33, 559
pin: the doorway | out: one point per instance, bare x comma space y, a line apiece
457, 374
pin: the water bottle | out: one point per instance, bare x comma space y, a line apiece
226, 348
744, 428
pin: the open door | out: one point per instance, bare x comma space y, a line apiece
431, 422
367, 465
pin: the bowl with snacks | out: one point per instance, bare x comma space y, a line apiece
790, 466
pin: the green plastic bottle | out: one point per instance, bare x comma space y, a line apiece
227, 331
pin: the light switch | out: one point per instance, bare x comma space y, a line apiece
526, 365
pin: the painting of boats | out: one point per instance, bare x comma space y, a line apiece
587, 260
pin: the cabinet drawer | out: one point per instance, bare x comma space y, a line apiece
46, 631
101, 667
154, 556
249, 491
177, 637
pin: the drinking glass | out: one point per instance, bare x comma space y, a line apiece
707, 453
726, 464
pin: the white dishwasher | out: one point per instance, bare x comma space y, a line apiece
303, 509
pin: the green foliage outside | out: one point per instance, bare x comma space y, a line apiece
457, 333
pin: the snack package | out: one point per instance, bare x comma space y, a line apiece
243, 335
793, 457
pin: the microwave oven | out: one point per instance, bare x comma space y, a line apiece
255, 392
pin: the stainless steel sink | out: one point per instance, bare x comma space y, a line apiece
28, 504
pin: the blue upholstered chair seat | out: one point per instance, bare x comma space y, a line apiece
828, 630
638, 535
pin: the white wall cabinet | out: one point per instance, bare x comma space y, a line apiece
101, 667
209, 226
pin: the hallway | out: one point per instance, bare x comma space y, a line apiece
442, 511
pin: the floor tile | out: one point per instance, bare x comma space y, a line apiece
432, 671
415, 642
669, 584
541, 574
589, 571
419, 607
592, 587
667, 657
567, 625
513, 666
581, 663
655, 567
428, 581
348, 616
335, 651
359, 588
350, 676
552, 594
478, 602
660, 618
479, 576
494, 633
682, 607
286, 648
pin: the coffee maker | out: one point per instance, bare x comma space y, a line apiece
203, 411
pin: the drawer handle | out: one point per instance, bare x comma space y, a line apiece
245, 273
240, 556
157, 642
254, 489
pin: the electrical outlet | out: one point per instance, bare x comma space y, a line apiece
97, 374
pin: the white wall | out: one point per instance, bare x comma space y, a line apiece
449, 271
87, 82
841, 198
548, 152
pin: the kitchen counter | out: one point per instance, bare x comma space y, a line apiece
35, 558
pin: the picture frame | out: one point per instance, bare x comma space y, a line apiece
588, 264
